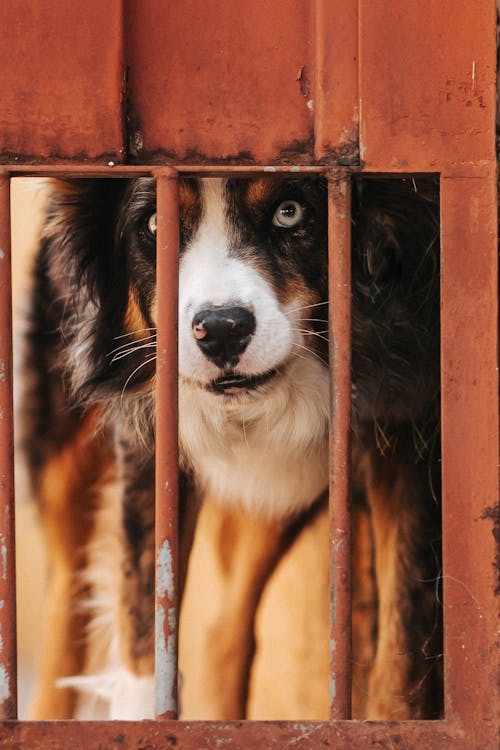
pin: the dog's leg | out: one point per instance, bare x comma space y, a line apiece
405, 682
233, 556
364, 605
66, 488
135, 688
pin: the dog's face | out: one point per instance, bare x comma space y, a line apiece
253, 289
252, 279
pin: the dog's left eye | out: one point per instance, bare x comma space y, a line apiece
288, 214
152, 224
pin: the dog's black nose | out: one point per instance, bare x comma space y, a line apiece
223, 333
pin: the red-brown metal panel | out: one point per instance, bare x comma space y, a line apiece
427, 83
62, 80
336, 108
339, 275
8, 689
167, 458
205, 735
201, 81
470, 450
221, 81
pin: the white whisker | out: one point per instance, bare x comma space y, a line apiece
310, 351
150, 345
306, 307
132, 333
312, 333
131, 343
146, 362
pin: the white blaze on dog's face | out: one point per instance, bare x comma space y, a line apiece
213, 278
253, 390
240, 304
253, 346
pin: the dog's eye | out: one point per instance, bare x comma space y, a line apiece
152, 224
288, 214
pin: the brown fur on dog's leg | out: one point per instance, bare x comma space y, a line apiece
238, 552
405, 682
67, 503
137, 485
364, 605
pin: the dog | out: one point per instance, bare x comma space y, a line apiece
253, 425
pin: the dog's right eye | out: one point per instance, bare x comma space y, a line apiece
288, 214
151, 225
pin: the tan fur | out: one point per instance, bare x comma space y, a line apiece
133, 318
290, 671
260, 192
232, 556
364, 608
68, 498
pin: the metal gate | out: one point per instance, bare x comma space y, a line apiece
375, 86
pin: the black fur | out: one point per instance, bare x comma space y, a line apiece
97, 253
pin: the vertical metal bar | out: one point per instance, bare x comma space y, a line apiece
8, 660
470, 450
339, 270
167, 464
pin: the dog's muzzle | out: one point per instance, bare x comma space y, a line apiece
223, 333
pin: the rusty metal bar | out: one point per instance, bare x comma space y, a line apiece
242, 735
339, 273
167, 460
470, 450
112, 169
8, 660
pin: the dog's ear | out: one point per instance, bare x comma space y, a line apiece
86, 277
79, 230
394, 220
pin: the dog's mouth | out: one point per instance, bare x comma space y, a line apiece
232, 384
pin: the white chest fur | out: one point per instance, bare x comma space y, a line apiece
269, 454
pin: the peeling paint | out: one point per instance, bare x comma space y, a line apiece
4, 684
2, 370
332, 681
2, 254
3, 557
165, 662
165, 572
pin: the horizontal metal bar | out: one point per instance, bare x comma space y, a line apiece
110, 169
126, 170
341, 735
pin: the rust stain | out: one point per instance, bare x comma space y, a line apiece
493, 514
304, 82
